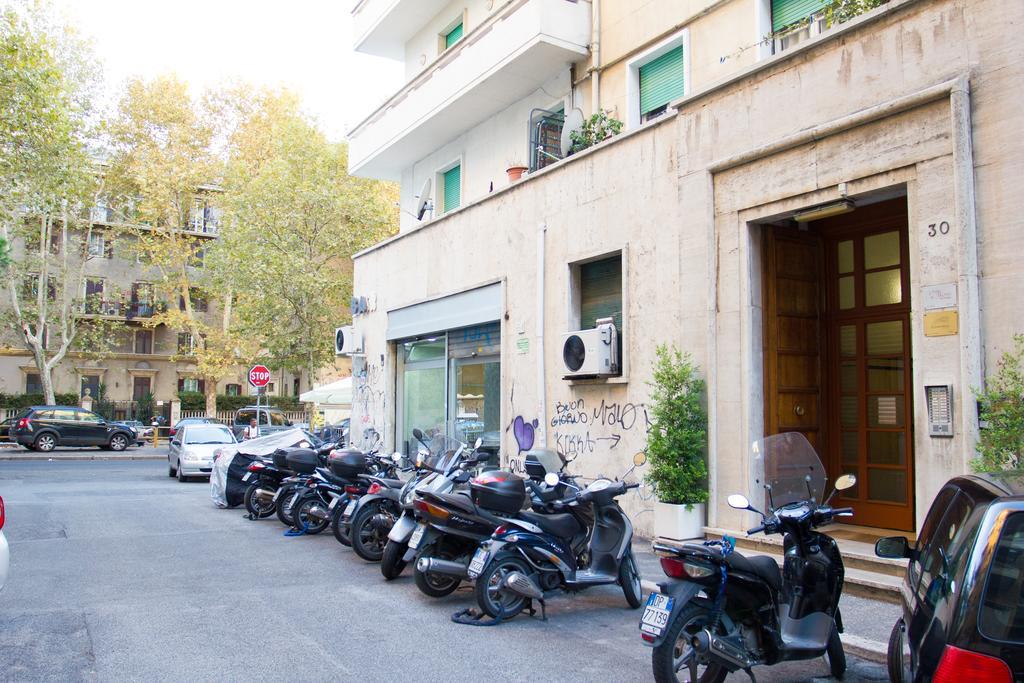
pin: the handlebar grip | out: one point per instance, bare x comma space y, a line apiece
750, 532
632, 486
841, 511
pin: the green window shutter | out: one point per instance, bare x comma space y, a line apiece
452, 188
661, 80
453, 36
601, 291
786, 12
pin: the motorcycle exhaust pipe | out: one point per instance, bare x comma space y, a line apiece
431, 565
718, 647
264, 495
520, 583
319, 513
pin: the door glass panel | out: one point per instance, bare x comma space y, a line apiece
885, 411
885, 374
882, 250
424, 404
883, 288
848, 340
886, 448
427, 349
849, 445
885, 339
848, 375
887, 485
477, 402
846, 296
848, 411
844, 257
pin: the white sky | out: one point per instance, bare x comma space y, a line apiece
305, 45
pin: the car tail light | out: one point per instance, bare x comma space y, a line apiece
24, 423
964, 665
374, 488
3, 514
352, 489
172, 431
256, 467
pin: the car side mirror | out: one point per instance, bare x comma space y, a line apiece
893, 547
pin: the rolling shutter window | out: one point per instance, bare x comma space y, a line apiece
452, 188
601, 291
478, 340
786, 12
453, 36
661, 80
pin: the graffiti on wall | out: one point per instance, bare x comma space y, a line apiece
368, 396
579, 430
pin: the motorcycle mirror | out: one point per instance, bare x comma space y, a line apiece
640, 459
478, 443
417, 434
551, 479
739, 502
396, 457
846, 481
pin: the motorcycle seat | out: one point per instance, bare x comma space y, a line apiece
390, 483
759, 565
563, 525
333, 478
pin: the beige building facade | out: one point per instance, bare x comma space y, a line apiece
829, 231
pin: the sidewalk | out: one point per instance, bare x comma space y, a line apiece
866, 622
147, 452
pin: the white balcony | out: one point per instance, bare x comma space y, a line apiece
382, 27
496, 64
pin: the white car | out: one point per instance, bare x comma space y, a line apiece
5, 550
190, 453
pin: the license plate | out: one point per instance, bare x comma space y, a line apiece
247, 476
478, 563
349, 508
656, 614
334, 503
417, 536
277, 494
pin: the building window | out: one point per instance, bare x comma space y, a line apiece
97, 246
198, 215
186, 344
233, 389
33, 384
270, 388
199, 303
140, 387
191, 384
794, 21
600, 291
452, 188
93, 295
295, 386
91, 385
656, 78
144, 341
453, 35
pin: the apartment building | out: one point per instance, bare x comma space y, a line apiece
138, 359
821, 212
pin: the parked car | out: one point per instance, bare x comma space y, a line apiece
191, 421
143, 432
5, 429
190, 452
963, 594
271, 420
5, 550
43, 428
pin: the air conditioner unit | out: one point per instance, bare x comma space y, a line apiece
592, 353
347, 341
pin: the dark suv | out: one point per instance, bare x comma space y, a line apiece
43, 428
963, 595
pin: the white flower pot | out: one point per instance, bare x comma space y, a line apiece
677, 523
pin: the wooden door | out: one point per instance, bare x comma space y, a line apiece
869, 396
792, 324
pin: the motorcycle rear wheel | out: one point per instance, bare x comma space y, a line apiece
256, 508
494, 601
391, 562
301, 517
367, 541
339, 529
667, 658
285, 504
435, 585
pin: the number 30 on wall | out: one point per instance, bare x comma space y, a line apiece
938, 228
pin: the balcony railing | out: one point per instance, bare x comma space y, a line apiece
129, 310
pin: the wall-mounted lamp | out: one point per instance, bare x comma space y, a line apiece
825, 211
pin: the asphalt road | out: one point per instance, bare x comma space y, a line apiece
120, 573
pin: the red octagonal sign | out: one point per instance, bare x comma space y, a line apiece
259, 375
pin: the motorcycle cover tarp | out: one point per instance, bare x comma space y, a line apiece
226, 486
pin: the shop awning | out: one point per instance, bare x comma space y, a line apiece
337, 393
481, 305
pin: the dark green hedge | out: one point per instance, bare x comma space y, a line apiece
193, 400
18, 401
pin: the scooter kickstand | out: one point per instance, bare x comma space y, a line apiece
751, 674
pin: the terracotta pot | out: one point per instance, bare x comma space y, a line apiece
515, 172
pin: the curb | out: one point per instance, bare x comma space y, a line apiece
59, 458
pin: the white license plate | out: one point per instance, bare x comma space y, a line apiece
247, 476
417, 536
277, 494
478, 563
656, 614
334, 503
349, 508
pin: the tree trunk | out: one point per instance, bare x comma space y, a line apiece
46, 379
211, 397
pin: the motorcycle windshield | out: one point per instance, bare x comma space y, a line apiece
785, 469
444, 452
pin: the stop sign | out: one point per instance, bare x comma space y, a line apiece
259, 375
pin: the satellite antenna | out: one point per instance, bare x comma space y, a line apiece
573, 123
423, 203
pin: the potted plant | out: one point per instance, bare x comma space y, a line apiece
515, 170
676, 446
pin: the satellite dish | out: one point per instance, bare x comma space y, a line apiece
573, 122
423, 203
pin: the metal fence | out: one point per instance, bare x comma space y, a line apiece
227, 416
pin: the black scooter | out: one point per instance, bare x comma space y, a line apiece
728, 612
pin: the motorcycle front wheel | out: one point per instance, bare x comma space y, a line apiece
285, 503
629, 579
367, 534
674, 660
301, 517
391, 562
340, 530
256, 508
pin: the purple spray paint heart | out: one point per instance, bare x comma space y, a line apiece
524, 432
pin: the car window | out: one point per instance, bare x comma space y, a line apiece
1002, 606
242, 417
934, 516
946, 552
209, 434
277, 419
86, 416
63, 414
43, 415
